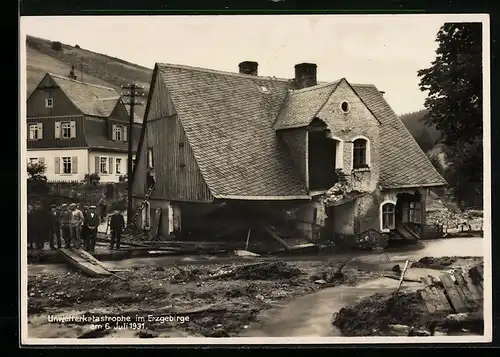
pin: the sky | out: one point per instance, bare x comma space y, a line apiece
384, 50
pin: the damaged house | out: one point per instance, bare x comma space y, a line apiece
234, 152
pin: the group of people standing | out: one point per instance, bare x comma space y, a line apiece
69, 225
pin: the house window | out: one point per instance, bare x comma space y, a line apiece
360, 154
118, 164
118, 133
104, 165
345, 107
35, 132
415, 212
49, 102
66, 163
66, 130
388, 216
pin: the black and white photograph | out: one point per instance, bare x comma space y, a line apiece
255, 179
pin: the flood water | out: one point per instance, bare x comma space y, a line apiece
311, 315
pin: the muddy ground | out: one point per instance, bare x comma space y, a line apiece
405, 313
209, 300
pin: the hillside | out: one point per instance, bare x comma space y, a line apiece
97, 68
113, 72
425, 135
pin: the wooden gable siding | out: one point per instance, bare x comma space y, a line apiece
35, 106
160, 105
296, 142
178, 177
49, 139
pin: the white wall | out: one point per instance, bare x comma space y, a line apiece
113, 176
50, 162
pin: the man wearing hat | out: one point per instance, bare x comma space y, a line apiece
55, 227
91, 222
65, 220
76, 225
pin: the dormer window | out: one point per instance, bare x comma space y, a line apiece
49, 102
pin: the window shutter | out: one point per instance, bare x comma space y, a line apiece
110, 163
113, 132
40, 131
97, 164
57, 130
74, 165
57, 165
125, 133
72, 129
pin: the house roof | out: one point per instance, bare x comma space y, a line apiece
91, 99
403, 163
230, 121
301, 106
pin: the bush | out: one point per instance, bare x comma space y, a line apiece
56, 46
119, 204
76, 46
92, 179
122, 178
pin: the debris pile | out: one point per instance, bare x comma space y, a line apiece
446, 262
451, 217
342, 191
261, 271
376, 316
371, 239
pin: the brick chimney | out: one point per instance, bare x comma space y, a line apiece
305, 74
249, 67
382, 92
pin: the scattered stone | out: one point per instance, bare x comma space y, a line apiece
397, 269
159, 268
320, 281
400, 330
245, 253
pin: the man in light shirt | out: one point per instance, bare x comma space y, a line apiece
76, 224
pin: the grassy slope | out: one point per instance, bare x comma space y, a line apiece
97, 68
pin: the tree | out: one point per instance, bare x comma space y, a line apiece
454, 83
37, 181
454, 103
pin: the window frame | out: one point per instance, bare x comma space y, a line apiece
49, 102
118, 165
356, 150
390, 212
119, 129
63, 163
68, 128
34, 128
106, 162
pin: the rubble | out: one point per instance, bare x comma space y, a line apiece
371, 239
342, 191
446, 262
261, 271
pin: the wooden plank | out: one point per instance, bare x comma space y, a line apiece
467, 295
436, 286
428, 301
453, 294
426, 280
476, 275
86, 255
432, 301
84, 265
475, 290
276, 237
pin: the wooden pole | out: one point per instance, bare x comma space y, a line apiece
130, 157
248, 239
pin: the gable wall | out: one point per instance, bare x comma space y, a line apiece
35, 106
358, 121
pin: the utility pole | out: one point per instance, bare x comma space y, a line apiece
133, 91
